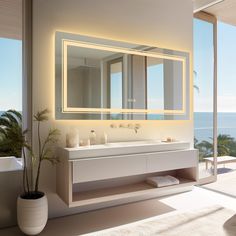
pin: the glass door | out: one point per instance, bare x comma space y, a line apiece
115, 86
205, 109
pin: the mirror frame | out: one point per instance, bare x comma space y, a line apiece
110, 45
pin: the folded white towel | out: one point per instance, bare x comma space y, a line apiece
162, 181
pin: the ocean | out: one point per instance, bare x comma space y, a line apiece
203, 124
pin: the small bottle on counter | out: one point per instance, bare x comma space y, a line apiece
92, 137
104, 138
88, 142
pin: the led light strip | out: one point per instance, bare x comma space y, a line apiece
113, 110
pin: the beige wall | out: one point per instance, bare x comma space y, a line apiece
162, 23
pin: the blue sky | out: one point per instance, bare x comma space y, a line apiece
155, 87
226, 67
116, 90
10, 74
203, 65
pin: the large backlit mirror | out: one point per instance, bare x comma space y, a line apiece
109, 80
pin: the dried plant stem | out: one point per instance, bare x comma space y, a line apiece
40, 159
25, 175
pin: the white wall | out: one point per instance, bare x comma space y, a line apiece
162, 23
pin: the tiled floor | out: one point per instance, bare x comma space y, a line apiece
114, 216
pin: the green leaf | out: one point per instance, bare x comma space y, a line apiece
41, 115
11, 136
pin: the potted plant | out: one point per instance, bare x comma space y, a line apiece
32, 205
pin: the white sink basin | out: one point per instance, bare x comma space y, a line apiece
124, 148
132, 143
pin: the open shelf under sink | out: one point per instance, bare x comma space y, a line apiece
124, 191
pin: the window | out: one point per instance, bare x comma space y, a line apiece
11, 74
11, 55
155, 84
116, 99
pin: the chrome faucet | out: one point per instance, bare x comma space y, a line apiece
135, 127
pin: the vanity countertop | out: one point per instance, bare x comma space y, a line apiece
124, 148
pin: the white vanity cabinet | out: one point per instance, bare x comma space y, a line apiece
163, 161
107, 167
116, 179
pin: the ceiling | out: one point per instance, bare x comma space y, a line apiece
11, 19
223, 10
11, 14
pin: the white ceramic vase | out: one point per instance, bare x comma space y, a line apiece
72, 138
32, 214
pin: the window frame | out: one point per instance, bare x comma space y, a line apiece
212, 19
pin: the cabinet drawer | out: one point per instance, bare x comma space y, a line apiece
108, 167
171, 160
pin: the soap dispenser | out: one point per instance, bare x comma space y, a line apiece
104, 138
92, 137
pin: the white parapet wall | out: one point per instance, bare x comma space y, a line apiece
10, 185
